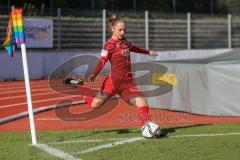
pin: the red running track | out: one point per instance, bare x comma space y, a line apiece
13, 101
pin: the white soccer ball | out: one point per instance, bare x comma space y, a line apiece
151, 130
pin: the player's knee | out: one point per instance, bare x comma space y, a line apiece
139, 101
95, 105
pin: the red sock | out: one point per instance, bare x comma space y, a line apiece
143, 114
88, 99
88, 94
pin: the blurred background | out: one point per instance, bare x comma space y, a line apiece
90, 7
171, 24
197, 40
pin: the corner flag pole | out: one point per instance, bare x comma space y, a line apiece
28, 91
17, 21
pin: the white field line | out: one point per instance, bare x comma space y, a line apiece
56, 152
110, 145
120, 141
86, 141
205, 135
46, 100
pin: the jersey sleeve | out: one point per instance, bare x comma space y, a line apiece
103, 58
139, 50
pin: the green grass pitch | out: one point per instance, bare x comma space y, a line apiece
195, 142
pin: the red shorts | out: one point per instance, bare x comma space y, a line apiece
126, 89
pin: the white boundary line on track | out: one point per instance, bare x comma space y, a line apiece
56, 152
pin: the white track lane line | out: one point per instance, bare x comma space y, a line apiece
37, 85
3, 84
45, 100
9, 92
22, 88
38, 94
24, 95
6, 91
55, 152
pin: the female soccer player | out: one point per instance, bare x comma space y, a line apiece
119, 80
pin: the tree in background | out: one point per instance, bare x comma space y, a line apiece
229, 6
158, 6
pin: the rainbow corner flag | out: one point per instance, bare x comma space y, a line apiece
8, 42
17, 21
15, 24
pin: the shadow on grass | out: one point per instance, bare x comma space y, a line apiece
122, 131
164, 131
173, 129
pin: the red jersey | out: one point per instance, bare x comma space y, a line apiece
120, 80
118, 53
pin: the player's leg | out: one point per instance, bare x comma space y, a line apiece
133, 96
143, 108
98, 100
106, 92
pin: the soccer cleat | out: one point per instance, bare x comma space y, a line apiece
73, 82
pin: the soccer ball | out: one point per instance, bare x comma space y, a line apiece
151, 130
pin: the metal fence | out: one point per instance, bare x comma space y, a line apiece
148, 30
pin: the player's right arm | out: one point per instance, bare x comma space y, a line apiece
101, 63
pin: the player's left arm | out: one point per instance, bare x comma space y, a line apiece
143, 51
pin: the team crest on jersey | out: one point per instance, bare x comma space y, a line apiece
104, 53
125, 52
